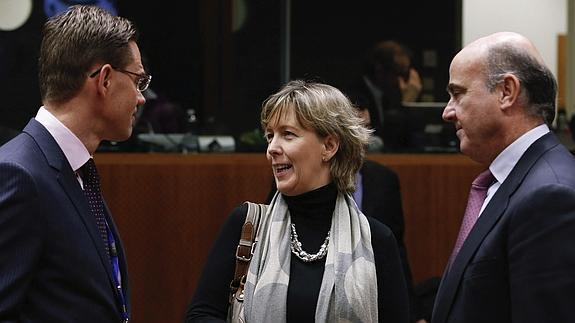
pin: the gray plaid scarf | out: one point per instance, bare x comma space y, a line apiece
348, 290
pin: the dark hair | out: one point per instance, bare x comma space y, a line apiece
383, 59
76, 40
538, 84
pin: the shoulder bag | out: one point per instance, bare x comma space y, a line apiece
244, 254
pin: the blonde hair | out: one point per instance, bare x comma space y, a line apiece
327, 111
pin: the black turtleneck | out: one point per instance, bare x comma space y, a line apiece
311, 213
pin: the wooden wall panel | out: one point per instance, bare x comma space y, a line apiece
169, 209
434, 191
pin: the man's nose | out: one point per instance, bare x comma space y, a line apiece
449, 112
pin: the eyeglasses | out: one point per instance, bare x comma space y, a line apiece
142, 82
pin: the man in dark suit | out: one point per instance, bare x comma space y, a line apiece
61, 257
517, 263
388, 80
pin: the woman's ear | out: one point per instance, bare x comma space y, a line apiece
330, 147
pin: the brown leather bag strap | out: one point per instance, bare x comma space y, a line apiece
246, 244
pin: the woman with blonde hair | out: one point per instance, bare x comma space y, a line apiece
318, 258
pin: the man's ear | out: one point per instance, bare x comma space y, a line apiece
330, 147
509, 88
104, 78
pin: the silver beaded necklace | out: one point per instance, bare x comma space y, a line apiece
301, 254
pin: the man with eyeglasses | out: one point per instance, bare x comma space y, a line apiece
61, 257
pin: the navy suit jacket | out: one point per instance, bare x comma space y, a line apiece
518, 262
53, 265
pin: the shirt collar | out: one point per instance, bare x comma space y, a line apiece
74, 150
504, 163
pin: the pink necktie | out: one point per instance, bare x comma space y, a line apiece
477, 196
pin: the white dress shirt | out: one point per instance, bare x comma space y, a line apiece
508, 158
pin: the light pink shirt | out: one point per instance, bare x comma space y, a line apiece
74, 150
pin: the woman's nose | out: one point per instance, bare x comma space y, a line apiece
273, 147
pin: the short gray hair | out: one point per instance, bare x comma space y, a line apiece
327, 111
538, 85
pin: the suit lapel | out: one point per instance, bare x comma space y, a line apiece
67, 180
70, 185
452, 275
490, 216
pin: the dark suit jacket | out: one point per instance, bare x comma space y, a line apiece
381, 200
394, 128
53, 265
360, 94
518, 262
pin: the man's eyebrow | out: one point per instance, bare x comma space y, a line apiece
451, 87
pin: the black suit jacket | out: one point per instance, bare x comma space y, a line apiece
394, 128
381, 200
360, 94
518, 262
53, 265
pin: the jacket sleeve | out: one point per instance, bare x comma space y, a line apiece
541, 251
20, 238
